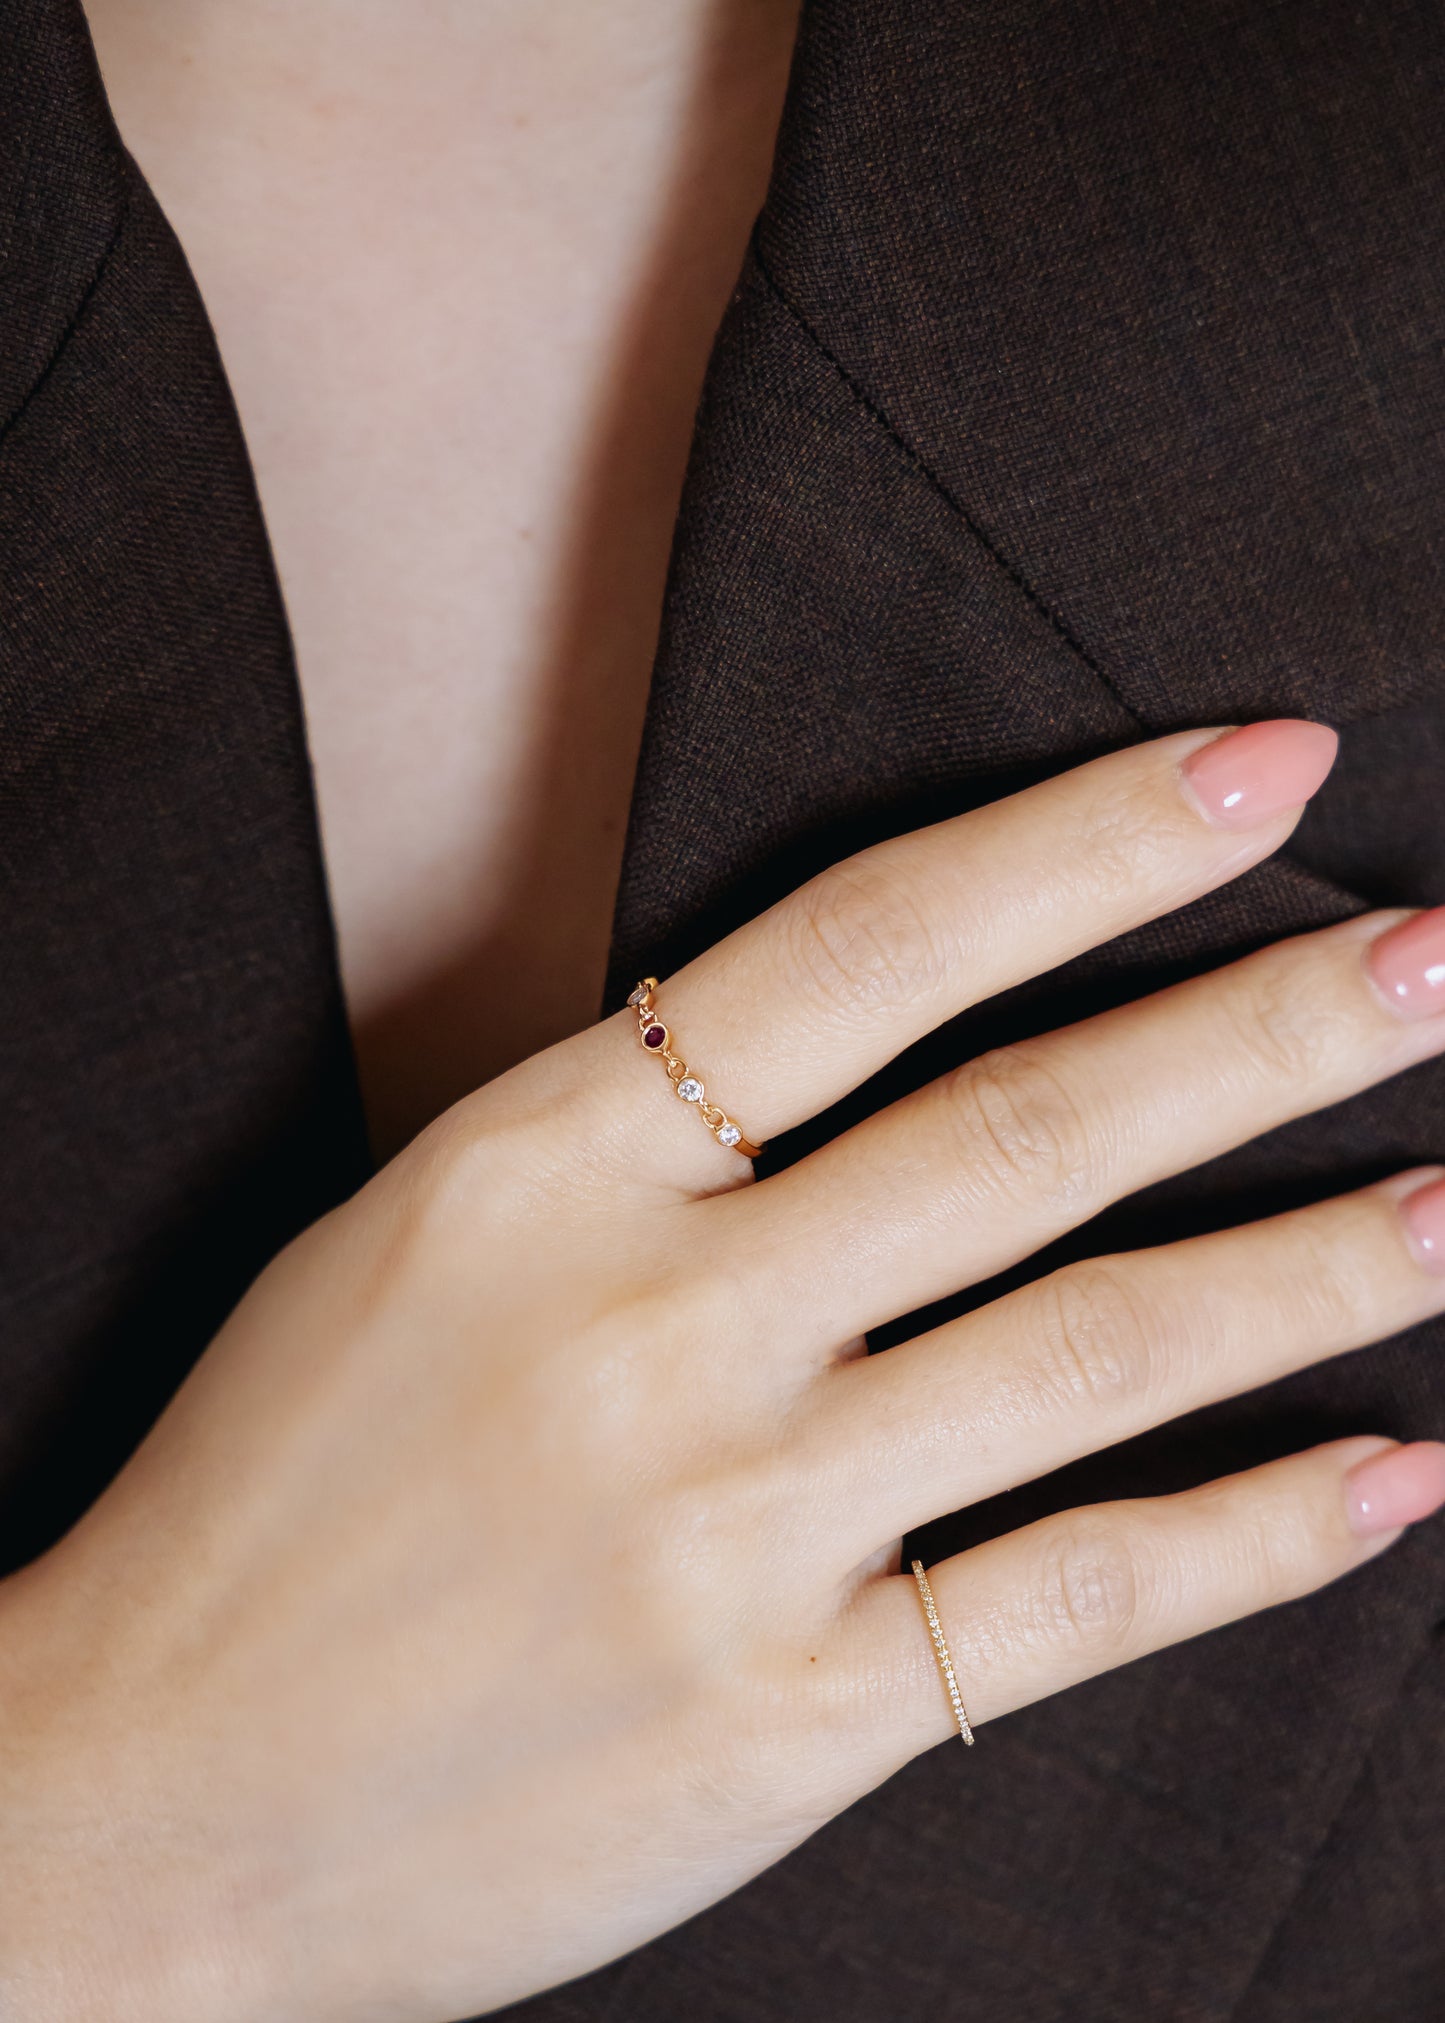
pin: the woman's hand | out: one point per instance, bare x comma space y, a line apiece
516, 1573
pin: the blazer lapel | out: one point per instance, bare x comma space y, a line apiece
1075, 387
1059, 403
175, 1073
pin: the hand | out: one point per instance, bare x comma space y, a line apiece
517, 1572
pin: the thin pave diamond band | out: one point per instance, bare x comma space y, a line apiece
657, 1039
940, 1651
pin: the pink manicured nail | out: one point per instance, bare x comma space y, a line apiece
1408, 965
1248, 775
1399, 1486
1423, 1214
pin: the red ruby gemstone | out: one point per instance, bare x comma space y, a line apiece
655, 1036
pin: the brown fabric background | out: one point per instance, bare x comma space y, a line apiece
1084, 381
176, 1091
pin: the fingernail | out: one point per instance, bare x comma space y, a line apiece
1407, 964
1423, 1214
1248, 775
1400, 1486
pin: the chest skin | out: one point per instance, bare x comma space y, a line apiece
464, 267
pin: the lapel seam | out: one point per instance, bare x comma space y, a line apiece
76, 317
935, 481
940, 487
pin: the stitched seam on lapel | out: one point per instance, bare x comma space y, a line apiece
955, 505
990, 547
74, 320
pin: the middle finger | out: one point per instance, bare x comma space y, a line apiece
990, 1162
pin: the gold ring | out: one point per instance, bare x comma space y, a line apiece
940, 1651
657, 1039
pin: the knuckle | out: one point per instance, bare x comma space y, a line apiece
1091, 1584
677, 1553
459, 1154
1096, 1343
1333, 1281
709, 1528
1283, 1035
859, 941
1022, 1127
501, 1151
439, 1184
466, 1171
619, 1376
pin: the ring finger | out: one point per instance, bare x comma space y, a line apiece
806, 1001
987, 1164
1100, 1351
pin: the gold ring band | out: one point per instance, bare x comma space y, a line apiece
657, 1039
940, 1651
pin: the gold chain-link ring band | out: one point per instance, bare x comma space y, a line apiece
940, 1651
657, 1039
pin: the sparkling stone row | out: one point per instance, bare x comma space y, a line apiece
654, 1036
940, 1649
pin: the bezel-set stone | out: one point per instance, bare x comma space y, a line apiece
656, 1037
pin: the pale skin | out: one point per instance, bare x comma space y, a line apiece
517, 1572
464, 259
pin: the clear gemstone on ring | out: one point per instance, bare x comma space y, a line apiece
729, 1134
639, 994
690, 1089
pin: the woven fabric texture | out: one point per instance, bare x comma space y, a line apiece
1083, 381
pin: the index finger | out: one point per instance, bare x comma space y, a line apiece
802, 1004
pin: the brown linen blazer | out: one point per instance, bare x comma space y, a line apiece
1085, 379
